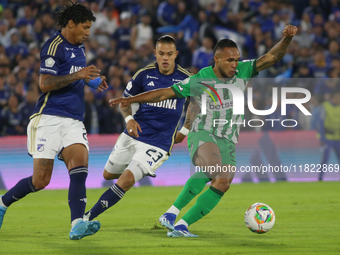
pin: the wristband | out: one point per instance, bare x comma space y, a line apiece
128, 118
94, 83
184, 131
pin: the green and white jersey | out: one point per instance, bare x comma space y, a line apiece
219, 119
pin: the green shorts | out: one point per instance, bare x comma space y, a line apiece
227, 148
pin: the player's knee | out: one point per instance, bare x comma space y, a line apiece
126, 180
40, 183
222, 184
208, 161
110, 176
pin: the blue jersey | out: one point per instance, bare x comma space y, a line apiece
158, 121
59, 58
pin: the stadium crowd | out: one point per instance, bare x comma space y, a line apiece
122, 41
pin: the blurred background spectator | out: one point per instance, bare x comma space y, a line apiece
122, 41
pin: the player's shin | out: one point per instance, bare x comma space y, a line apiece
204, 204
193, 187
77, 192
20, 190
109, 198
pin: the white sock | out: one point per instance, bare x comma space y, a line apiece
173, 209
1, 203
181, 222
75, 221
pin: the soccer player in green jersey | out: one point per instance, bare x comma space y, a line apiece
210, 144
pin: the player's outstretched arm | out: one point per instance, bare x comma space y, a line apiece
132, 126
278, 51
192, 111
49, 82
153, 96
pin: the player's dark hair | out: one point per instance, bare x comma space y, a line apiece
76, 12
224, 43
167, 39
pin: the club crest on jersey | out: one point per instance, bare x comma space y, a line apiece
40, 147
75, 69
129, 85
49, 62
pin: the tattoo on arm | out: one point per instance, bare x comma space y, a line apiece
274, 55
126, 111
58, 82
193, 110
279, 50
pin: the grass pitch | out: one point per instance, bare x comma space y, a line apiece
307, 222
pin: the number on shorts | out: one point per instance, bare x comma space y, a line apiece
85, 136
153, 151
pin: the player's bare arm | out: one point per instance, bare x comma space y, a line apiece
278, 51
192, 111
132, 126
153, 96
49, 82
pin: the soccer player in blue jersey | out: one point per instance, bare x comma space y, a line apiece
56, 126
148, 139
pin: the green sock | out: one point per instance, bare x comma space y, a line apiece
193, 186
204, 204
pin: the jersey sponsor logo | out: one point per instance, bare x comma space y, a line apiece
168, 104
149, 162
49, 62
75, 69
69, 48
72, 55
151, 77
129, 85
40, 139
48, 70
176, 80
225, 105
40, 147
207, 82
151, 84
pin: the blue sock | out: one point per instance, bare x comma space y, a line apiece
21, 189
77, 192
108, 199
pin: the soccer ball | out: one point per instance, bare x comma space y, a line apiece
259, 218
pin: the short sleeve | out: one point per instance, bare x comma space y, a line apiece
247, 69
50, 63
189, 87
134, 87
182, 89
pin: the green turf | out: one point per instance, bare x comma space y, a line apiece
307, 222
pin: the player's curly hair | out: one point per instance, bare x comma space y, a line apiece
76, 12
